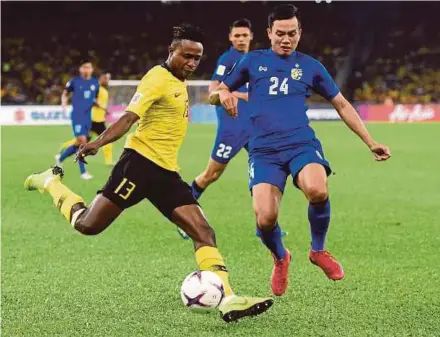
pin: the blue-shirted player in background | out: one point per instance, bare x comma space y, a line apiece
283, 143
232, 133
84, 89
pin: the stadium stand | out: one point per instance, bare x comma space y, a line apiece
36, 64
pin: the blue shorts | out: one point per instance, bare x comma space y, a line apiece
275, 168
81, 128
232, 136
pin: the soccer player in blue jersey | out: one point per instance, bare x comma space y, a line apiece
84, 90
282, 142
232, 133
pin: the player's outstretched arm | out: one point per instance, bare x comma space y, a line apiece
112, 134
240, 95
222, 96
355, 123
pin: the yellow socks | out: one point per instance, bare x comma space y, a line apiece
209, 258
108, 153
63, 198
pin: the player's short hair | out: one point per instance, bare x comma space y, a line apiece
187, 31
245, 23
283, 12
84, 61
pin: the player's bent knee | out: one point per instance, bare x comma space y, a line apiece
266, 219
87, 227
89, 231
316, 194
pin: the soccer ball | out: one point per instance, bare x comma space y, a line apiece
202, 290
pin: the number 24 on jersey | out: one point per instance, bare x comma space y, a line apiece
278, 87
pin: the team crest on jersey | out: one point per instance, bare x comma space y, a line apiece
296, 73
92, 87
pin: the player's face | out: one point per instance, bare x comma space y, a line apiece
241, 38
104, 79
185, 58
86, 70
284, 36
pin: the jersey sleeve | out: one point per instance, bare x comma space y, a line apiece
70, 86
223, 67
98, 86
149, 90
323, 82
239, 74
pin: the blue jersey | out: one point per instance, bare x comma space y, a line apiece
278, 89
225, 64
84, 93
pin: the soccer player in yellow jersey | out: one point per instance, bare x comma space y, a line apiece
148, 167
99, 111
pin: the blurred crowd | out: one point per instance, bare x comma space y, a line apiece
402, 65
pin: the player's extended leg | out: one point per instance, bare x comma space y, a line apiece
212, 172
266, 201
72, 149
90, 220
312, 180
192, 220
65, 145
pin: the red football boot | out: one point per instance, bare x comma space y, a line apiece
280, 274
330, 266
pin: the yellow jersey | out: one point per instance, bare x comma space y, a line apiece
98, 114
161, 102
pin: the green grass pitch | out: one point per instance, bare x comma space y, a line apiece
385, 230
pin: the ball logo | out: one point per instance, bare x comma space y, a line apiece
19, 115
296, 73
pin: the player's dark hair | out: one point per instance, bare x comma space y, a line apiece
245, 23
84, 61
283, 12
187, 31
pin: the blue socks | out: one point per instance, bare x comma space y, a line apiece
70, 151
272, 240
196, 190
319, 218
82, 167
